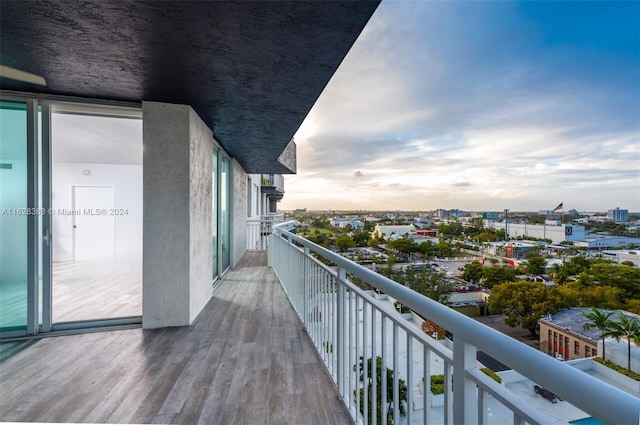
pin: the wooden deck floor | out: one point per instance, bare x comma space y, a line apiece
246, 360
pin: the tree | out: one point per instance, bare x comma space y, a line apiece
433, 285
535, 264
403, 246
524, 303
598, 320
361, 238
625, 327
344, 242
473, 272
380, 409
495, 275
624, 277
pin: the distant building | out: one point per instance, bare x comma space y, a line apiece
427, 233
343, 222
621, 255
393, 232
618, 215
552, 229
602, 242
300, 211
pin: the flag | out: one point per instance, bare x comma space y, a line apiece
559, 207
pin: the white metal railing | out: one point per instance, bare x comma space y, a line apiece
258, 230
348, 325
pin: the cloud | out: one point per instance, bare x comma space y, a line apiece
358, 174
438, 97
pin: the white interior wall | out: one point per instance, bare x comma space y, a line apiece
127, 183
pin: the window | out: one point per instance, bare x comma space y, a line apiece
587, 351
576, 347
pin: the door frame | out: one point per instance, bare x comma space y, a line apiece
39, 196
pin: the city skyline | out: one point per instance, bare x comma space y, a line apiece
479, 106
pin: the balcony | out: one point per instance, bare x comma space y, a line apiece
252, 356
259, 230
273, 186
246, 359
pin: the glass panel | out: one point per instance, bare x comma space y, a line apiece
13, 217
97, 221
224, 211
214, 215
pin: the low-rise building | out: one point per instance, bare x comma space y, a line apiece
601, 242
562, 335
552, 229
393, 231
343, 222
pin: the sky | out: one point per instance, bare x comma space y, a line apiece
479, 105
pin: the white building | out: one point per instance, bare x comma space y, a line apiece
393, 231
552, 229
343, 222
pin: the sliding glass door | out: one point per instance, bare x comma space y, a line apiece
70, 216
96, 190
14, 209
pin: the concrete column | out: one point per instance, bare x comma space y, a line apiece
177, 263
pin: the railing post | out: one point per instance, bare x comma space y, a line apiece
465, 408
340, 341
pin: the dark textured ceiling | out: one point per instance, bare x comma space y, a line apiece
251, 70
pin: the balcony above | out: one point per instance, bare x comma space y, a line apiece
273, 186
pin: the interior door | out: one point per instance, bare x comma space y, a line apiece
94, 223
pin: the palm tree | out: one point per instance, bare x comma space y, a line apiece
598, 320
626, 327
402, 390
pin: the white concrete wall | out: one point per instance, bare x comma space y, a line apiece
617, 353
177, 215
238, 212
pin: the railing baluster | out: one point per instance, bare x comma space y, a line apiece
374, 369
340, 324
409, 376
396, 364
365, 352
384, 401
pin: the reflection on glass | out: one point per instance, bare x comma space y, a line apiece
224, 211
97, 220
214, 215
13, 216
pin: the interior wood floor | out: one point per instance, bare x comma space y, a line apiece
85, 290
82, 290
245, 360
